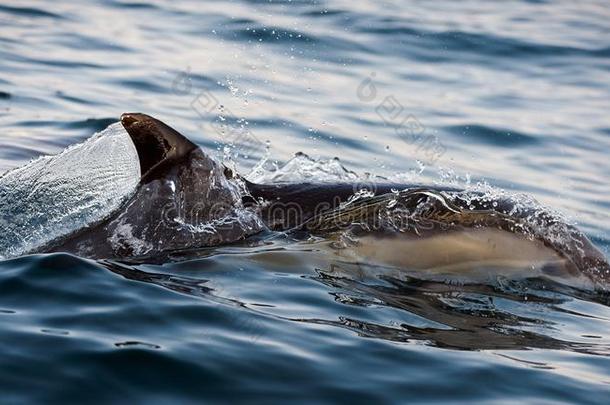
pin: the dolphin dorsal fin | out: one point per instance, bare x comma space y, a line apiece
158, 144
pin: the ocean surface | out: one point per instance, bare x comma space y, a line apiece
511, 96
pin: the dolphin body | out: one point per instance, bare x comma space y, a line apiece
186, 200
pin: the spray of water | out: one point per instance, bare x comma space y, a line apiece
53, 196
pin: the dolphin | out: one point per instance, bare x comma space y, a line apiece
186, 200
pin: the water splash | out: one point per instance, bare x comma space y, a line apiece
53, 196
302, 168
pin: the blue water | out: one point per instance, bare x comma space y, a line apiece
514, 94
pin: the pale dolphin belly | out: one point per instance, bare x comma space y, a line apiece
469, 254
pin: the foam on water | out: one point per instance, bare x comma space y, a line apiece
53, 196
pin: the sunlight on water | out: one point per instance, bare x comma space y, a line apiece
53, 196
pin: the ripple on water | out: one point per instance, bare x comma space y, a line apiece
526, 81
481, 134
29, 12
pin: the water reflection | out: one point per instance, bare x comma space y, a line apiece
467, 316
184, 285
510, 315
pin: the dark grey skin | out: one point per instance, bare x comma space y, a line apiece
183, 191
